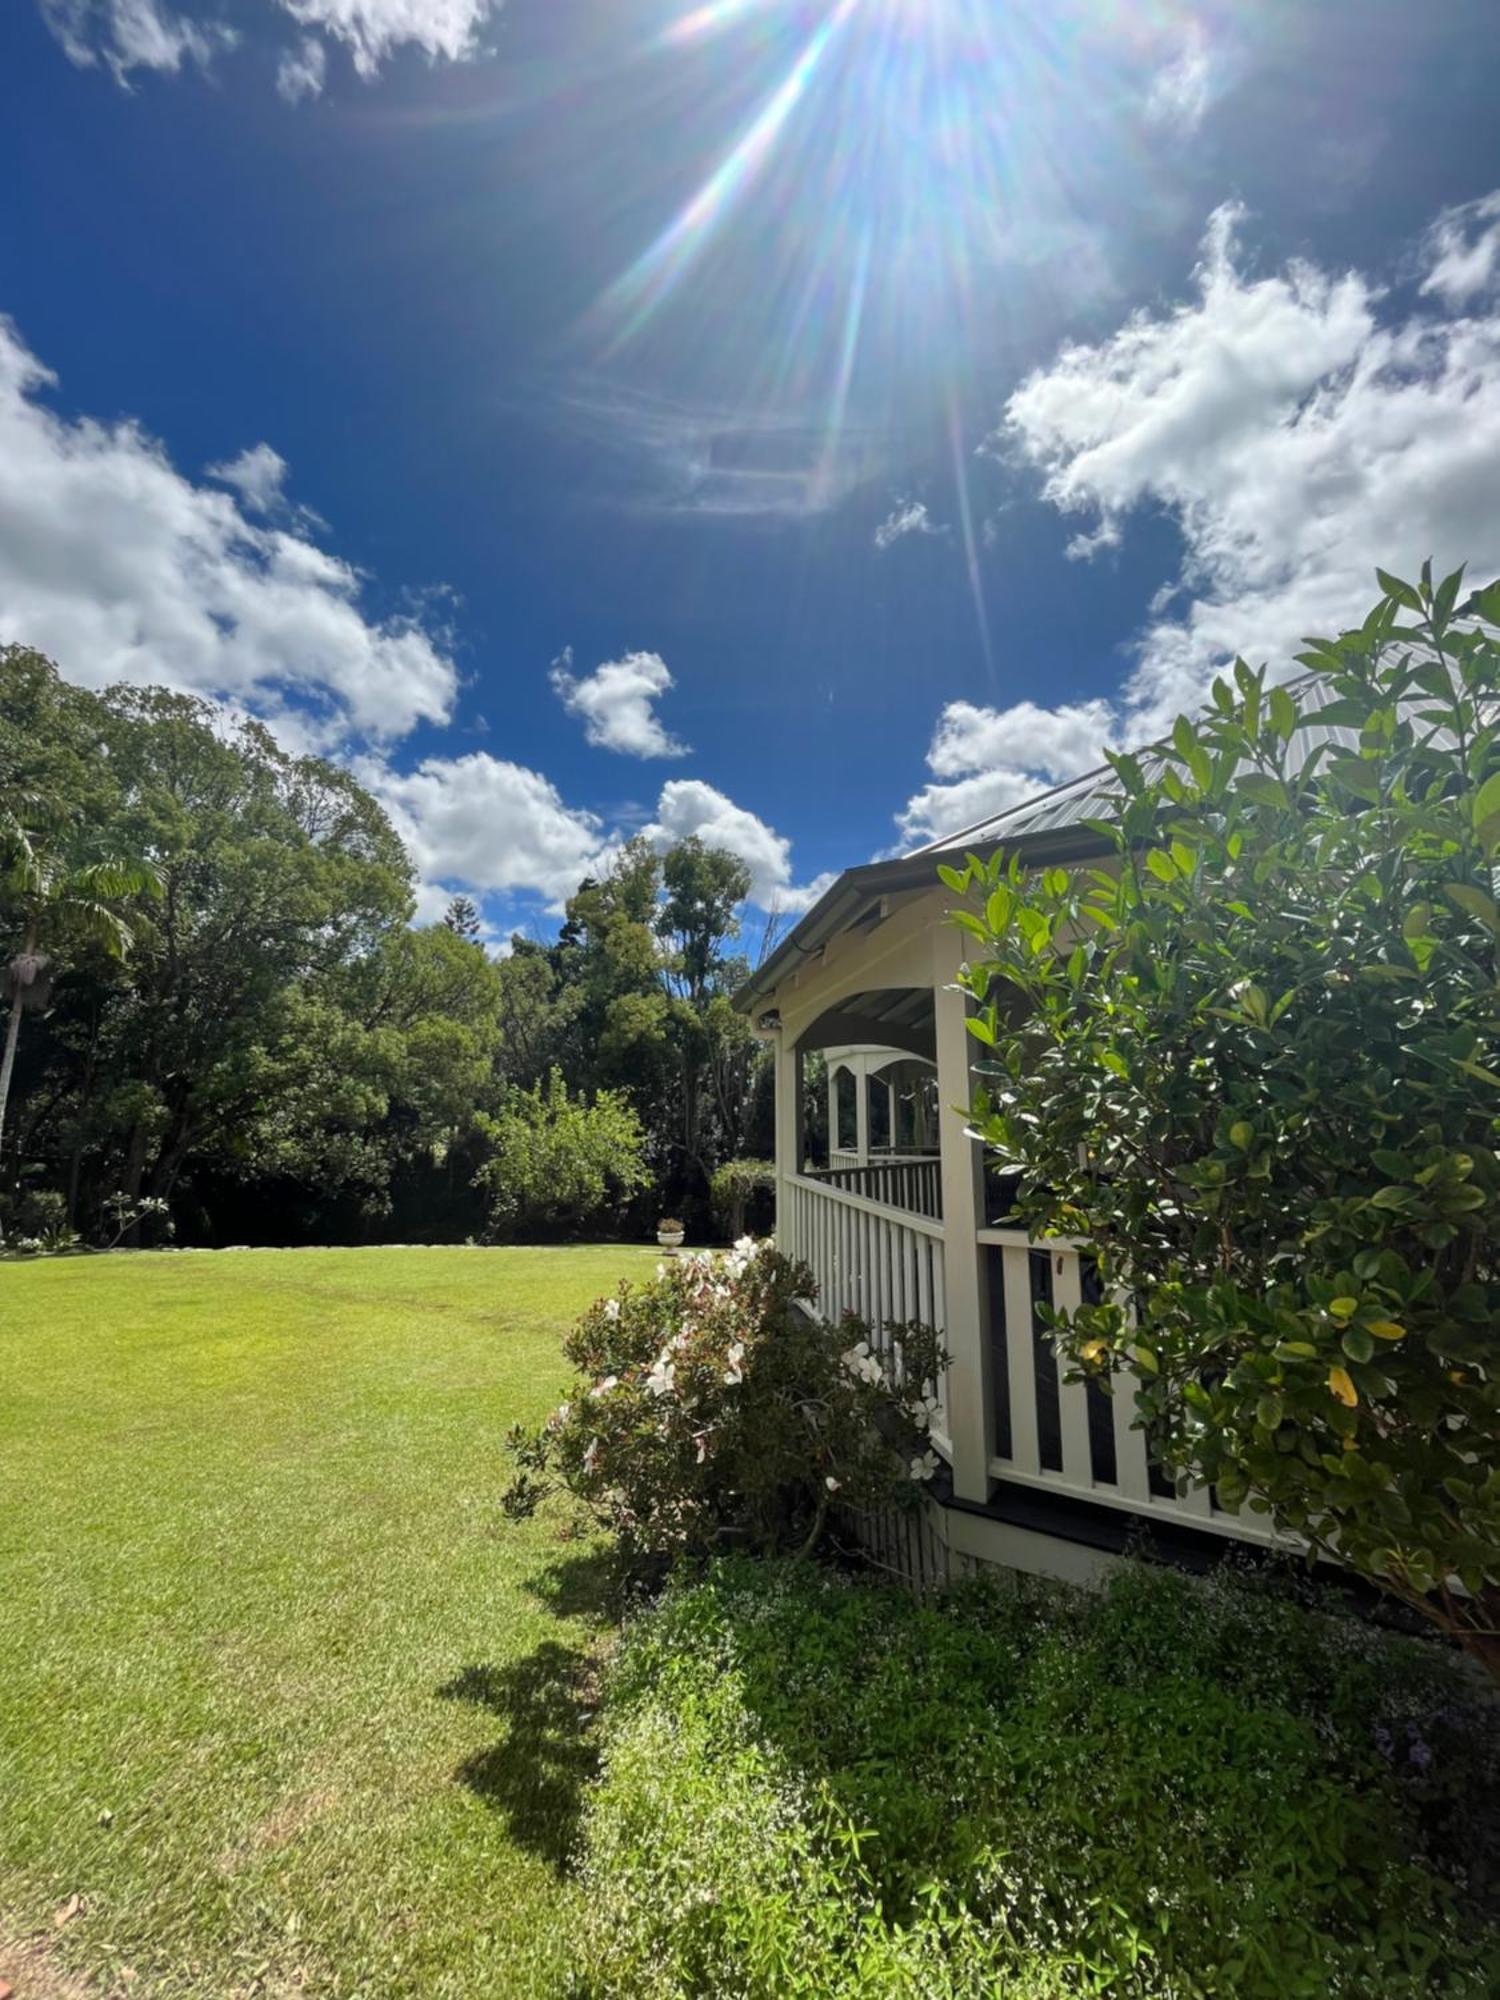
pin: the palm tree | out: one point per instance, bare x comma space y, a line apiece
52, 890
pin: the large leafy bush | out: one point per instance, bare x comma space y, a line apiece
1254, 1059
711, 1409
560, 1162
813, 1786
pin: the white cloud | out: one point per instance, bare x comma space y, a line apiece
1464, 258
986, 760
486, 825
127, 35
1296, 437
1298, 432
907, 517
1182, 91
372, 29
689, 806
121, 568
258, 475
302, 71
615, 703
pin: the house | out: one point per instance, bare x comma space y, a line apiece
899, 1218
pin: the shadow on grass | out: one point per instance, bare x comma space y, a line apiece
588, 1585
535, 1775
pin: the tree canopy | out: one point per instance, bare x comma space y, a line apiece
279, 1029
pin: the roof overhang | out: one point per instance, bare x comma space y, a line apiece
858, 887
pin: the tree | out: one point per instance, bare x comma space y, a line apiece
560, 1162
1254, 1059
462, 918
57, 888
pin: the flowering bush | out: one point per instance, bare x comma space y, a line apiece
712, 1409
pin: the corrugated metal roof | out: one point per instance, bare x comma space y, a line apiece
1092, 796
1045, 820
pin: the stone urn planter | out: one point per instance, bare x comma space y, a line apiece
669, 1233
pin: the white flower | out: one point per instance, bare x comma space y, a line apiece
735, 1357
924, 1465
745, 1247
591, 1456
831, 1483
701, 1440
661, 1270
611, 1308
925, 1412
603, 1388
659, 1381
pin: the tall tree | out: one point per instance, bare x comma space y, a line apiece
462, 918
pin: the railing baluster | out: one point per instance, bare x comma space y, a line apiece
1020, 1358
1073, 1397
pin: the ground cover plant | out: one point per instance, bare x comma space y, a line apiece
279, 1707
812, 1785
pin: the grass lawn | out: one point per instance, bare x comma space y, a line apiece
284, 1704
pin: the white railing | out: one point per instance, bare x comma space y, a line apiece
885, 1267
912, 1182
1056, 1440
1063, 1437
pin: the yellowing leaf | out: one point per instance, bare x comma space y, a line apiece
1342, 1384
1385, 1329
1091, 1350
1344, 1308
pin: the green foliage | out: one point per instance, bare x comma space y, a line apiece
559, 1162
710, 1409
278, 1027
813, 1786
733, 1186
1254, 1057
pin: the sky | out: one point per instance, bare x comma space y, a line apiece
812, 424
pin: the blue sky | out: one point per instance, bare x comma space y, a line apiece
809, 422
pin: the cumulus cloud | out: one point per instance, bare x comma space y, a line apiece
124, 569
444, 30
907, 517
1463, 251
128, 35
486, 825
985, 760
257, 475
615, 701
1182, 91
302, 71
1298, 432
689, 806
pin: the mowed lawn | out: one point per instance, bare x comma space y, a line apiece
285, 1704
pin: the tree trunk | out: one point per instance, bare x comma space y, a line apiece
8, 1060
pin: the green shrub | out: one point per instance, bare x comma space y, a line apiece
1255, 1060
558, 1162
733, 1186
711, 1409
812, 1785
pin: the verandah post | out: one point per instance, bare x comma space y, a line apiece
788, 1139
970, 1402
